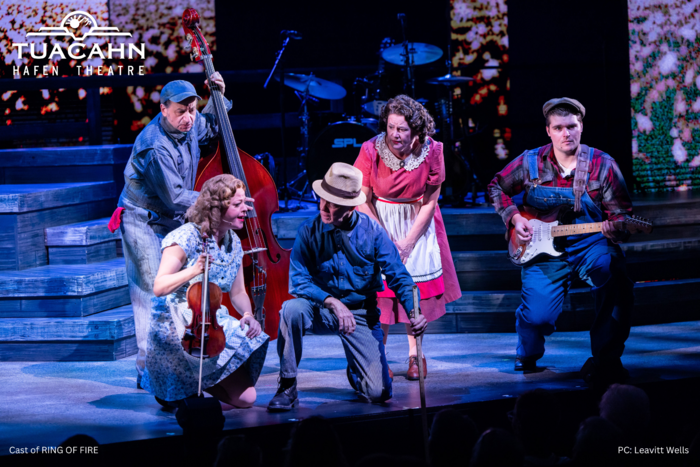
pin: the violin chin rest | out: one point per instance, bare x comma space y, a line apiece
201, 415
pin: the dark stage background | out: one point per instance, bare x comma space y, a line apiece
578, 50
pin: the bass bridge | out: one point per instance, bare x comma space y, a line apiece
258, 291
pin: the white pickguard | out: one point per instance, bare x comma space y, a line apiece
542, 241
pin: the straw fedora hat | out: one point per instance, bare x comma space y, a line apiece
341, 185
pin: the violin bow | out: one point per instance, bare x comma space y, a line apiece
205, 311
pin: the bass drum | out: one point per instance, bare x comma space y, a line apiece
339, 142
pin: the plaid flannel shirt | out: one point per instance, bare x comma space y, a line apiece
606, 186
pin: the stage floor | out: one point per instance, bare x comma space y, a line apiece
41, 404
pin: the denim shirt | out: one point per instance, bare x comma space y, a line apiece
346, 264
161, 170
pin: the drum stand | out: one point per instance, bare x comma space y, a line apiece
303, 151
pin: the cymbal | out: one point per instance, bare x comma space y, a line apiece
449, 80
421, 53
321, 88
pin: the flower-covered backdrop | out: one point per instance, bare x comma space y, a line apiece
664, 40
479, 48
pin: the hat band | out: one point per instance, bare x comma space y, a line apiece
338, 192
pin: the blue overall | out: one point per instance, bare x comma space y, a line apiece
595, 260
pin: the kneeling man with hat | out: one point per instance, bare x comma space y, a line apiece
335, 273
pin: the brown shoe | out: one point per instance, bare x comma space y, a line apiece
412, 374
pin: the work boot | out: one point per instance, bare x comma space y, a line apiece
286, 397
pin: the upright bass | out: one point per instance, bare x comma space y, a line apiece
265, 263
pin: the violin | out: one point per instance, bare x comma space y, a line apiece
204, 337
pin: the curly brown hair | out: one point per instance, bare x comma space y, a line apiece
419, 120
213, 201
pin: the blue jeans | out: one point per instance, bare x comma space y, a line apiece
546, 283
364, 348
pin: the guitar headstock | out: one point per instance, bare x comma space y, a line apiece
193, 35
634, 224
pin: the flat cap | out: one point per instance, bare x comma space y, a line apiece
177, 91
563, 101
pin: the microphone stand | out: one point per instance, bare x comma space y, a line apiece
409, 81
280, 62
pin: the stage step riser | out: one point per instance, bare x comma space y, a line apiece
63, 280
25, 215
22, 176
72, 351
40, 197
107, 336
47, 307
65, 156
481, 228
648, 260
81, 233
82, 243
495, 311
109, 325
82, 254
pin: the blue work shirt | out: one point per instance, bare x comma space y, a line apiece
161, 170
328, 261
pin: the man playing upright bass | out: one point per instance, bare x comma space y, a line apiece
159, 182
588, 180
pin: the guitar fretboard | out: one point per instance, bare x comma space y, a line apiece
576, 229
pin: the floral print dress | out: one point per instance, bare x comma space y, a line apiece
171, 373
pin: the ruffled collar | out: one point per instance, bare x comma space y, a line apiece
413, 161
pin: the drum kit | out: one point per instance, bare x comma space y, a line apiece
340, 141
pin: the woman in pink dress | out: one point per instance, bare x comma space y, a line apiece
403, 169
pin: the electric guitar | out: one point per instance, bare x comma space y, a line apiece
550, 227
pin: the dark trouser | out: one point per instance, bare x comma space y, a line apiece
545, 284
364, 348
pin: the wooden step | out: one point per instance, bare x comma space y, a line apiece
494, 311
65, 156
64, 164
63, 290
469, 227
106, 336
647, 260
27, 210
82, 242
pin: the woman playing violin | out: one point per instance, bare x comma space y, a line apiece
172, 373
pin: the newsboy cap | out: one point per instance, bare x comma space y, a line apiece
563, 101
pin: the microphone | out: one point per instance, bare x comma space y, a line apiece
291, 34
401, 17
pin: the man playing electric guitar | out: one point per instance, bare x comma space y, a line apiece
588, 180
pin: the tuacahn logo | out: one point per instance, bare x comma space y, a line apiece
79, 25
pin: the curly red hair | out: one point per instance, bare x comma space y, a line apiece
213, 202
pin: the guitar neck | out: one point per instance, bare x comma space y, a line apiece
576, 229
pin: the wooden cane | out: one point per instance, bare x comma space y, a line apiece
421, 374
